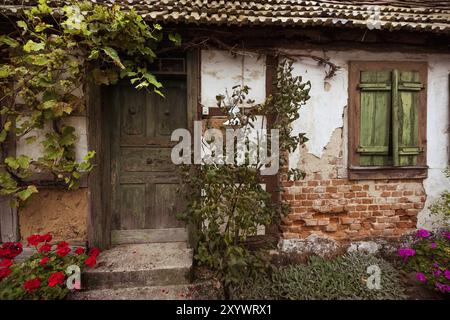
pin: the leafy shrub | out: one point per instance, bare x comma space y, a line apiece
429, 257
43, 275
232, 204
341, 278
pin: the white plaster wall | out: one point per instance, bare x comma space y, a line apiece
324, 111
221, 71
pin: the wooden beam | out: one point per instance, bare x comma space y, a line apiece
98, 225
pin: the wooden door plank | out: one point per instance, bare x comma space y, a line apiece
149, 235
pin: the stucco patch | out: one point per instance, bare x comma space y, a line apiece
62, 213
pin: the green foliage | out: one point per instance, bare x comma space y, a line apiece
232, 204
48, 59
343, 278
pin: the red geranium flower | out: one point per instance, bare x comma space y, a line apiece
45, 248
43, 261
62, 244
31, 285
4, 272
62, 251
94, 252
47, 237
6, 263
80, 250
91, 261
56, 278
10, 250
34, 240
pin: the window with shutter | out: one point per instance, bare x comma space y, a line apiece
387, 120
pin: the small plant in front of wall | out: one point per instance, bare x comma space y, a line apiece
50, 273
232, 204
48, 58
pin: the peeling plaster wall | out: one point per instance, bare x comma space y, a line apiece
324, 118
221, 71
325, 113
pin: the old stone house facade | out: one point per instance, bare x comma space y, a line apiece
368, 175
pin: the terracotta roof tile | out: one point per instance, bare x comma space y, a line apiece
423, 15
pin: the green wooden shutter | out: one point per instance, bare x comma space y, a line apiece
374, 134
406, 109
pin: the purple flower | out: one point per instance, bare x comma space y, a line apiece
436, 265
421, 277
437, 273
422, 233
433, 245
443, 287
447, 274
447, 235
406, 252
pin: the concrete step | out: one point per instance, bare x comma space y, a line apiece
200, 291
140, 265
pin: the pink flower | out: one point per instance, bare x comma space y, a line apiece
443, 287
421, 277
447, 274
422, 233
433, 245
406, 252
447, 235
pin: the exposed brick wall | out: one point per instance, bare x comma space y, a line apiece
351, 210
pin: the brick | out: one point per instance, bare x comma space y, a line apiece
379, 226
346, 220
323, 222
313, 183
331, 228
338, 182
310, 222
355, 226
331, 189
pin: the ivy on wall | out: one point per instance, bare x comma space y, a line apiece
48, 58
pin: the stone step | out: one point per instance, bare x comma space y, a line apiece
140, 265
199, 291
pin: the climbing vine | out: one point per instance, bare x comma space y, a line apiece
48, 58
226, 202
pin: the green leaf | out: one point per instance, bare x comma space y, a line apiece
5, 71
22, 24
23, 161
94, 54
26, 193
175, 38
9, 41
152, 80
33, 46
112, 53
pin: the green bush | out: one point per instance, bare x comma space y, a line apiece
342, 278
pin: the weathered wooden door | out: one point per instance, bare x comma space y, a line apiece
146, 190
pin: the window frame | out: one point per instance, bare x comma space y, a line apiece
357, 172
